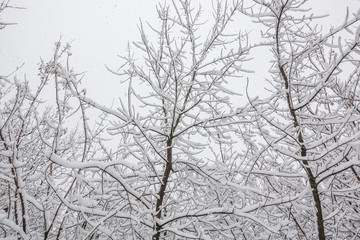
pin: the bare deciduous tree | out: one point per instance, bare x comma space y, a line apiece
178, 157
310, 123
168, 183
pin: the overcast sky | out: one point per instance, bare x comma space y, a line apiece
98, 31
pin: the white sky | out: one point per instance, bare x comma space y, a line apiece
99, 31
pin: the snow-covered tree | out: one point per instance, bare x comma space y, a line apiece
166, 179
179, 157
310, 123
33, 188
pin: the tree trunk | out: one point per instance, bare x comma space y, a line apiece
162, 190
